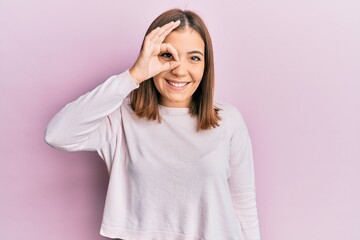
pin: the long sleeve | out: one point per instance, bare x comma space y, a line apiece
87, 123
242, 180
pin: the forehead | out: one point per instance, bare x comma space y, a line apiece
186, 39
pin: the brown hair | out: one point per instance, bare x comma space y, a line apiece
145, 99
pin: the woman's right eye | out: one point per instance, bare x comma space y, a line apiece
166, 56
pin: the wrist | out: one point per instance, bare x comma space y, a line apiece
134, 75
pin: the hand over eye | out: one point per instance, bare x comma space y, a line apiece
148, 63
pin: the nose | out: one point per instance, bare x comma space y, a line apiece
180, 70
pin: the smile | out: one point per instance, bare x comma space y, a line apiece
177, 84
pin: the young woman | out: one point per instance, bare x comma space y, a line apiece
180, 165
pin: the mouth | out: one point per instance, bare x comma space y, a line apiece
177, 85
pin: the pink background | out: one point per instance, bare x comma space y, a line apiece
291, 67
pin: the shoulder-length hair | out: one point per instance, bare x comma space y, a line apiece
145, 99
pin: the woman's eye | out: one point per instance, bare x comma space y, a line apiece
166, 55
195, 58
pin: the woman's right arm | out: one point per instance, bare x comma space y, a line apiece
90, 121
85, 123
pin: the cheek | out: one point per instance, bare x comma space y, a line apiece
198, 73
157, 81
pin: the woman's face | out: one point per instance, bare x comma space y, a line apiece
177, 86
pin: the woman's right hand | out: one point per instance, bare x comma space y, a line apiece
148, 63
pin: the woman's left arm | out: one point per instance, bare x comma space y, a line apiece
242, 179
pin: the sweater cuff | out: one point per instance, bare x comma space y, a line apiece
132, 79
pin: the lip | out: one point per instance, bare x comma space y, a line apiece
177, 85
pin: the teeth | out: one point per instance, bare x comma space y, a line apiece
175, 84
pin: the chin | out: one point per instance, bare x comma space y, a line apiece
176, 102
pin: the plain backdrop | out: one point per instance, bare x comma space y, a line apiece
291, 67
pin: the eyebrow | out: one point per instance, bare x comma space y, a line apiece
196, 51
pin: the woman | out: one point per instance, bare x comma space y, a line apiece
180, 165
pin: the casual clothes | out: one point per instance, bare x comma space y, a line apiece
167, 180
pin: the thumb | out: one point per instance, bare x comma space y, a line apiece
171, 65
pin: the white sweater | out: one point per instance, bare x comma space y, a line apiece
167, 181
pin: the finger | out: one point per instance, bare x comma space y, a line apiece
157, 36
166, 32
169, 65
152, 34
173, 64
167, 47
167, 28
159, 30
